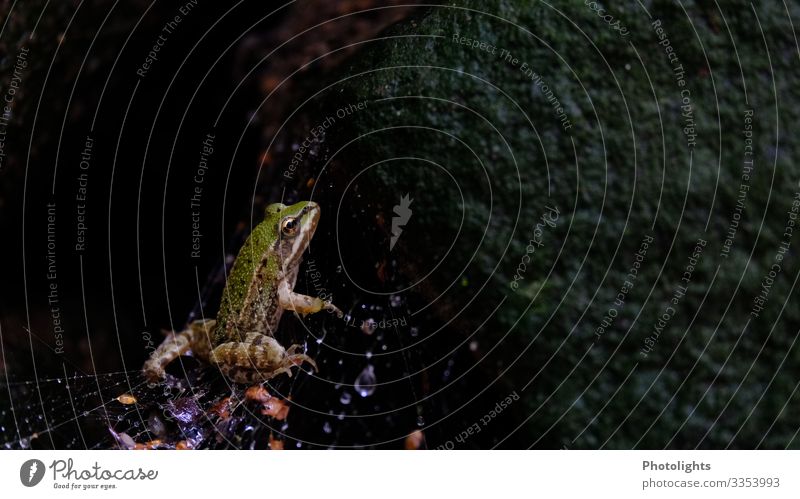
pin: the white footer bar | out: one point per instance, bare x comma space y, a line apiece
389, 474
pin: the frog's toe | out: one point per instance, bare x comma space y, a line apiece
281, 370
153, 371
296, 359
333, 308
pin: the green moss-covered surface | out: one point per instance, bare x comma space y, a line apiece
623, 164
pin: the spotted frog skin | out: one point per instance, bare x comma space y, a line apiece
241, 341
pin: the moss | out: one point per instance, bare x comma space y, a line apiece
623, 171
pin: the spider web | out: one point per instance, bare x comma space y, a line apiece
195, 407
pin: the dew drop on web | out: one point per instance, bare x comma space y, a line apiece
365, 382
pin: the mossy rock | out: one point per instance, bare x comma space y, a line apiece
557, 108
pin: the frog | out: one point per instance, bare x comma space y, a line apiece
241, 341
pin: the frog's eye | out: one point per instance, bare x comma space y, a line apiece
289, 226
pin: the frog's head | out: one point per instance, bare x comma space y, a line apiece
295, 226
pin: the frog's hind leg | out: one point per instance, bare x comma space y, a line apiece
256, 359
197, 338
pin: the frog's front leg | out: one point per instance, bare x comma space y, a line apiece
256, 359
303, 304
197, 338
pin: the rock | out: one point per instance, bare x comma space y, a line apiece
544, 148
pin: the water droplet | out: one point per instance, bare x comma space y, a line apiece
473, 346
155, 425
345, 398
322, 336
327, 427
365, 382
368, 354
395, 301
414, 332
420, 421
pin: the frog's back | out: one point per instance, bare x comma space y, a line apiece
249, 301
